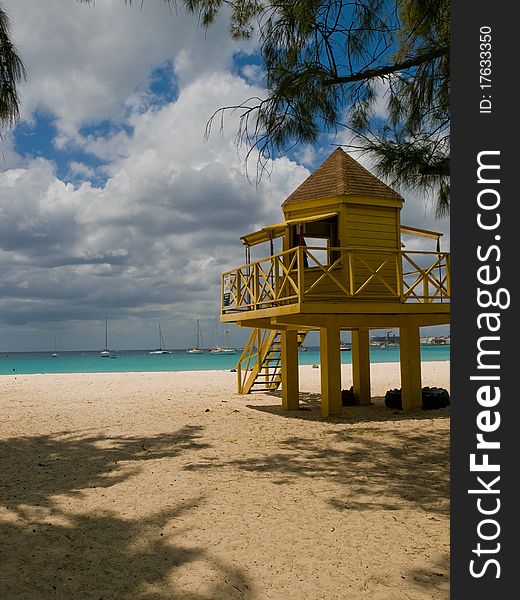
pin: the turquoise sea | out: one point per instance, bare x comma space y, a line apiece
179, 360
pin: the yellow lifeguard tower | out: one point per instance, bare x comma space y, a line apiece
342, 266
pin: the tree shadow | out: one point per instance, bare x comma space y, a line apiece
375, 468
36, 468
310, 410
435, 576
100, 556
47, 551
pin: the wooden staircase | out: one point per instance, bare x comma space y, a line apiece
260, 365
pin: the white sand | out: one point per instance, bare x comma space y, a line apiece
170, 486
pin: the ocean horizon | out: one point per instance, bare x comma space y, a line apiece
120, 361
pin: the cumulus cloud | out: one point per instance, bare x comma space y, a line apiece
144, 223
154, 238
81, 169
90, 63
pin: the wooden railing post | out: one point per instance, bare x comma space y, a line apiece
350, 273
238, 287
448, 277
399, 270
276, 283
255, 286
426, 287
222, 279
300, 265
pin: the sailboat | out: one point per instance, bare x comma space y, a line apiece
161, 349
105, 353
215, 348
54, 354
345, 346
197, 349
223, 349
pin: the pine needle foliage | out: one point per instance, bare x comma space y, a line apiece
377, 67
12, 71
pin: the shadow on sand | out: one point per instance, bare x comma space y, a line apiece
373, 462
47, 551
433, 576
310, 410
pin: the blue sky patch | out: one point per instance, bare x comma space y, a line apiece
164, 86
35, 139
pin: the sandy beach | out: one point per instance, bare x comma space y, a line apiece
171, 486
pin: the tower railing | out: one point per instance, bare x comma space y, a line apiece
311, 274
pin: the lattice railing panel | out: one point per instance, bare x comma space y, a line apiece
310, 274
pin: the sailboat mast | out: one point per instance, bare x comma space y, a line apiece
199, 336
106, 331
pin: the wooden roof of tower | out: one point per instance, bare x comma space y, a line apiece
341, 175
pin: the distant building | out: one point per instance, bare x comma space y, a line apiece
435, 341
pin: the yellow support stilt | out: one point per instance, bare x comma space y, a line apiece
290, 379
411, 392
361, 365
330, 371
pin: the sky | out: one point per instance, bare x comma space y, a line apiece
112, 200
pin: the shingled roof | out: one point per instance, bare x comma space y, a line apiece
341, 175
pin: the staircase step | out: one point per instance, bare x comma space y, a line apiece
268, 375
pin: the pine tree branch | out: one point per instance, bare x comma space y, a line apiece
388, 70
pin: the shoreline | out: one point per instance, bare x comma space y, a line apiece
304, 367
